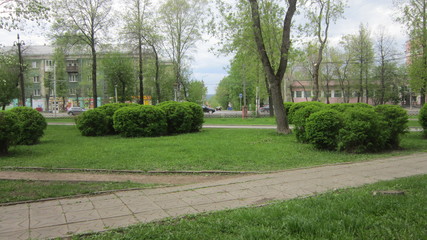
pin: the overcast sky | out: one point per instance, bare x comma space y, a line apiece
211, 69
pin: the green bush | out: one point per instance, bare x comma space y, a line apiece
397, 122
92, 123
300, 118
9, 130
140, 121
31, 125
109, 110
363, 131
288, 106
423, 119
197, 116
296, 106
342, 107
178, 117
322, 129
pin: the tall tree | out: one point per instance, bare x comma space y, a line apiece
360, 46
414, 16
85, 21
182, 22
275, 77
119, 73
9, 78
15, 12
137, 31
321, 14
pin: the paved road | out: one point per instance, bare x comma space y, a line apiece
61, 218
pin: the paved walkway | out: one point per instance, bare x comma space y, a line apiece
60, 218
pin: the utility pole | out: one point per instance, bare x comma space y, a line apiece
21, 70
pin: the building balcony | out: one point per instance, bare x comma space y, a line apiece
72, 69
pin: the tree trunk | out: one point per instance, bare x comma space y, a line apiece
156, 56
140, 73
94, 92
279, 107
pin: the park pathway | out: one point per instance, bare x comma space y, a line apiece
65, 217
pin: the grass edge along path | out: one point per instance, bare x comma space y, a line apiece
16, 191
352, 213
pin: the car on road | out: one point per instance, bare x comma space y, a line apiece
208, 109
75, 110
266, 108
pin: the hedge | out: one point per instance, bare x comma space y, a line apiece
109, 110
93, 122
363, 131
178, 117
141, 121
31, 125
299, 119
9, 130
397, 123
322, 129
296, 106
197, 116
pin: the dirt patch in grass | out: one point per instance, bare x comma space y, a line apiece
174, 179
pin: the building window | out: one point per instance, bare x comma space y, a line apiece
72, 77
49, 63
337, 93
307, 94
72, 91
36, 92
34, 64
36, 79
298, 94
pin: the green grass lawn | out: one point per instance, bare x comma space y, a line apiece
22, 190
61, 120
240, 121
211, 149
343, 214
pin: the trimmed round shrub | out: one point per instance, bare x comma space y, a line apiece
288, 106
322, 129
197, 116
300, 118
363, 131
397, 122
422, 118
92, 123
178, 117
140, 121
31, 125
296, 106
341, 107
109, 110
9, 130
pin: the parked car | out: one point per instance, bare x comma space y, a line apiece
208, 109
75, 110
266, 108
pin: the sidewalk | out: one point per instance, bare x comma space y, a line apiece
60, 218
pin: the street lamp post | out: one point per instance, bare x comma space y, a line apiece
19, 43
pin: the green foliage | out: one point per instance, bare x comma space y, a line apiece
363, 131
178, 116
341, 107
141, 121
31, 125
397, 122
93, 122
197, 116
300, 119
422, 117
288, 106
109, 110
9, 130
119, 71
322, 129
197, 92
295, 107
9, 77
